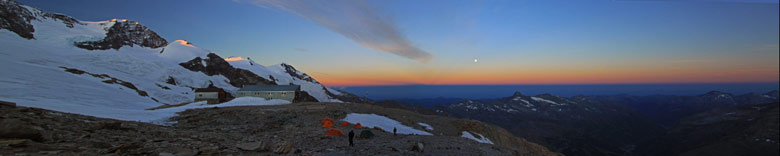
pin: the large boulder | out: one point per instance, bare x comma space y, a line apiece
17, 129
253, 146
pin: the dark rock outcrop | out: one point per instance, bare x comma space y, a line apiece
297, 74
16, 18
304, 97
109, 80
215, 65
125, 32
17, 129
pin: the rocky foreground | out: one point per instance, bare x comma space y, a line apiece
293, 129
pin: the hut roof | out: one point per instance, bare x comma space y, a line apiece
270, 88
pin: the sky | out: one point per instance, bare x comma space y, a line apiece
443, 42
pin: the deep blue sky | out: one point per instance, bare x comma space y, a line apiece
516, 41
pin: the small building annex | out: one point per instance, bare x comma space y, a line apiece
283, 92
211, 95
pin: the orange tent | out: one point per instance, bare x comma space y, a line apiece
334, 132
358, 125
327, 122
344, 124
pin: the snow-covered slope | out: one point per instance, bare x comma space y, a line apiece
382, 122
479, 138
46, 66
284, 74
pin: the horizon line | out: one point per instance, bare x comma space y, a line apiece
555, 84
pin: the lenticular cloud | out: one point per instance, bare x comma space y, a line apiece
354, 20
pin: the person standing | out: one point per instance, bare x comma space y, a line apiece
351, 135
394, 132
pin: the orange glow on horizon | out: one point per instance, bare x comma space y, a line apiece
614, 76
353, 82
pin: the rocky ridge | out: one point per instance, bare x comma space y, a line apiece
17, 18
574, 126
125, 33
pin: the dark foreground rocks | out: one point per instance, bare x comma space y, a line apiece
257, 130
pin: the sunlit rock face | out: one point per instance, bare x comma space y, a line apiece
125, 32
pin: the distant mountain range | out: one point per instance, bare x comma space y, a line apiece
599, 125
750, 129
667, 110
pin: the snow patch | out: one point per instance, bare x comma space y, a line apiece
428, 127
382, 122
543, 100
479, 138
161, 116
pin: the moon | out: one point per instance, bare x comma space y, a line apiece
475, 60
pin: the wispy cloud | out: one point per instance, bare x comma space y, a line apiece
691, 60
355, 20
714, 1
767, 47
301, 49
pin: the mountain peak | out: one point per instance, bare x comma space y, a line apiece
545, 95
183, 42
17, 17
716, 93
127, 32
517, 94
289, 69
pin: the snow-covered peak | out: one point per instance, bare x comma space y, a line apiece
182, 51
125, 33
290, 70
284, 74
102, 68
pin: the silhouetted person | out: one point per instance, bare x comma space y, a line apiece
351, 135
394, 132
